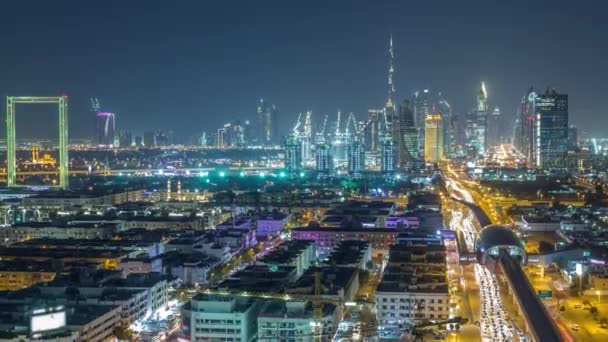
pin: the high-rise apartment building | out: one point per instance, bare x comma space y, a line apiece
433, 138
149, 139
323, 157
293, 154
388, 161
356, 157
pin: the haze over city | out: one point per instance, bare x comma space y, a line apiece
205, 62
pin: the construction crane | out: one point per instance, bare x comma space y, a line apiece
351, 119
338, 123
324, 124
95, 107
320, 136
298, 123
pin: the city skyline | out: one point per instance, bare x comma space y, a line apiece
212, 71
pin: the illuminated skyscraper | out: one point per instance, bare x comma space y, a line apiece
323, 158
306, 138
148, 140
391, 70
433, 138
125, 139
476, 125
524, 133
222, 138
551, 129
105, 129
267, 123
408, 136
356, 157
450, 125
293, 153
372, 136
494, 130
422, 104
388, 162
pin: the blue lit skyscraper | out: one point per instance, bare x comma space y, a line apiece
551, 130
356, 157
388, 162
323, 157
293, 154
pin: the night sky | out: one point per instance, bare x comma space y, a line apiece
191, 66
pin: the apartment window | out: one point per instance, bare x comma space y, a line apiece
384, 307
384, 300
440, 301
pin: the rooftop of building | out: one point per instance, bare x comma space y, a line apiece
332, 279
83, 243
97, 192
292, 309
241, 304
238, 221
26, 266
177, 259
260, 278
348, 252
286, 252
273, 215
318, 229
59, 253
65, 225
405, 287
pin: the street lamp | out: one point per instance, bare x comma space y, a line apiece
579, 272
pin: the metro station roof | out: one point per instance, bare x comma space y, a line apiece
498, 235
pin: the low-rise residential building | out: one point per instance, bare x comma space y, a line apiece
291, 321
236, 239
271, 224
337, 283
66, 199
297, 253
326, 239
49, 230
238, 222
220, 318
157, 222
351, 253
190, 269
539, 223
402, 222
69, 323
414, 287
15, 275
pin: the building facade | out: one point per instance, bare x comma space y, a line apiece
433, 138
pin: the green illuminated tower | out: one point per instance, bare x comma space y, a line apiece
62, 102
